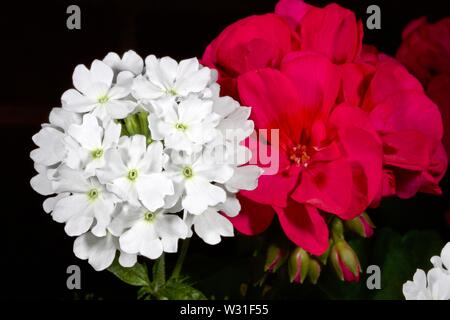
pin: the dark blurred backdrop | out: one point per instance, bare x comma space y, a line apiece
37, 57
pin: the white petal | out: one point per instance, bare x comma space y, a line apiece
152, 188
153, 158
62, 118
89, 134
41, 184
131, 241
244, 178
99, 251
82, 78
445, 256
74, 101
171, 226
119, 109
112, 134
231, 207
210, 225
127, 260
101, 72
51, 146
193, 82
200, 194
143, 89
114, 168
49, 203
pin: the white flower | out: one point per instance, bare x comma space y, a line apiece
63, 119
134, 172
130, 61
184, 126
96, 93
210, 226
93, 141
442, 262
88, 202
195, 176
165, 77
52, 148
122, 194
148, 233
100, 251
432, 286
41, 182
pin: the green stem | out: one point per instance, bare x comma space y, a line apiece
159, 273
179, 264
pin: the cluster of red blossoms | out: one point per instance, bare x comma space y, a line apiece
354, 125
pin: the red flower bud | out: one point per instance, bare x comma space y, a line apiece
314, 271
275, 258
345, 262
361, 225
298, 265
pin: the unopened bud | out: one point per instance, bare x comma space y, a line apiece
337, 230
361, 225
345, 262
275, 258
298, 265
314, 271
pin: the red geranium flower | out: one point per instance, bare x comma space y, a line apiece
329, 159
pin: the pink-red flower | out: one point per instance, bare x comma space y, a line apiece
329, 158
354, 125
407, 121
251, 43
332, 30
425, 51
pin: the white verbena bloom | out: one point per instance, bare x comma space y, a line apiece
166, 77
88, 205
434, 285
130, 61
93, 141
148, 233
443, 261
194, 177
184, 126
136, 185
134, 172
96, 93
101, 251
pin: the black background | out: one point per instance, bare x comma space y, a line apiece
37, 57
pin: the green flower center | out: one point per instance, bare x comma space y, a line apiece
149, 216
97, 153
181, 126
132, 174
171, 92
103, 99
187, 172
93, 194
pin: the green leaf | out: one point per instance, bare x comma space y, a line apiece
135, 276
178, 290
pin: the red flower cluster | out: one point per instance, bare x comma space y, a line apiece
354, 125
425, 51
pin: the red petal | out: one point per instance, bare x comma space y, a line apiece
316, 80
305, 227
327, 186
253, 218
274, 101
333, 31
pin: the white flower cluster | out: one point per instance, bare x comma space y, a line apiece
435, 285
139, 155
